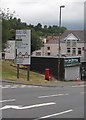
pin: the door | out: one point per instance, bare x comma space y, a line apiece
72, 72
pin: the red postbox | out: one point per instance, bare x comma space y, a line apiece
47, 74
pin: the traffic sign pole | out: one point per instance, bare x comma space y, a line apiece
18, 71
28, 72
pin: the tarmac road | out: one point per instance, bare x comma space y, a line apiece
37, 102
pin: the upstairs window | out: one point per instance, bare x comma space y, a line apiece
48, 48
74, 51
79, 51
73, 43
68, 43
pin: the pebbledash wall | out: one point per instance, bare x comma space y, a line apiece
69, 67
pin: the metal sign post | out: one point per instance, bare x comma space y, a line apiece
18, 71
22, 49
28, 72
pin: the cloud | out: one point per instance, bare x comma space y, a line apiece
47, 11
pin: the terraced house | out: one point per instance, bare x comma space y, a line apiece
72, 43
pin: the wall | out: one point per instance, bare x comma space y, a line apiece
10, 50
63, 48
53, 49
78, 45
39, 64
9, 56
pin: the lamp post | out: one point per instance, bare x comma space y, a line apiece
59, 42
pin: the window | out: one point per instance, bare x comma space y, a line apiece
68, 43
48, 48
48, 53
38, 53
68, 50
79, 51
74, 51
73, 43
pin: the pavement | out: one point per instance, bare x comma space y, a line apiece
51, 84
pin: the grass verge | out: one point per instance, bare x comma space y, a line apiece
9, 72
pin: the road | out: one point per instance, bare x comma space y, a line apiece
36, 102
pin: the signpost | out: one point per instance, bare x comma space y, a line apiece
23, 49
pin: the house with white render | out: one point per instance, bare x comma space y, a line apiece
71, 44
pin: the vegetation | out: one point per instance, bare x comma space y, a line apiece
10, 24
11, 74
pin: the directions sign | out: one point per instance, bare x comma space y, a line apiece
23, 47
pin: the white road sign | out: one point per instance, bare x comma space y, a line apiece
23, 47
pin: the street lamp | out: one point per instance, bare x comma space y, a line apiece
59, 42
59, 28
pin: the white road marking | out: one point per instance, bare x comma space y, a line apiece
23, 86
33, 86
13, 86
8, 100
78, 86
17, 86
7, 85
4, 87
83, 92
52, 95
56, 114
26, 107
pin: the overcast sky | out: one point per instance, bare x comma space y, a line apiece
46, 12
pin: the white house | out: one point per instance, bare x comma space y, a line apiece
71, 43
10, 50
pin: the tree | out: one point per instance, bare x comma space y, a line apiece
38, 27
5, 33
36, 42
10, 24
5, 15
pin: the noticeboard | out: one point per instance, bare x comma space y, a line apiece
23, 47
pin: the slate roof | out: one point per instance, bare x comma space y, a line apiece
77, 33
53, 41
